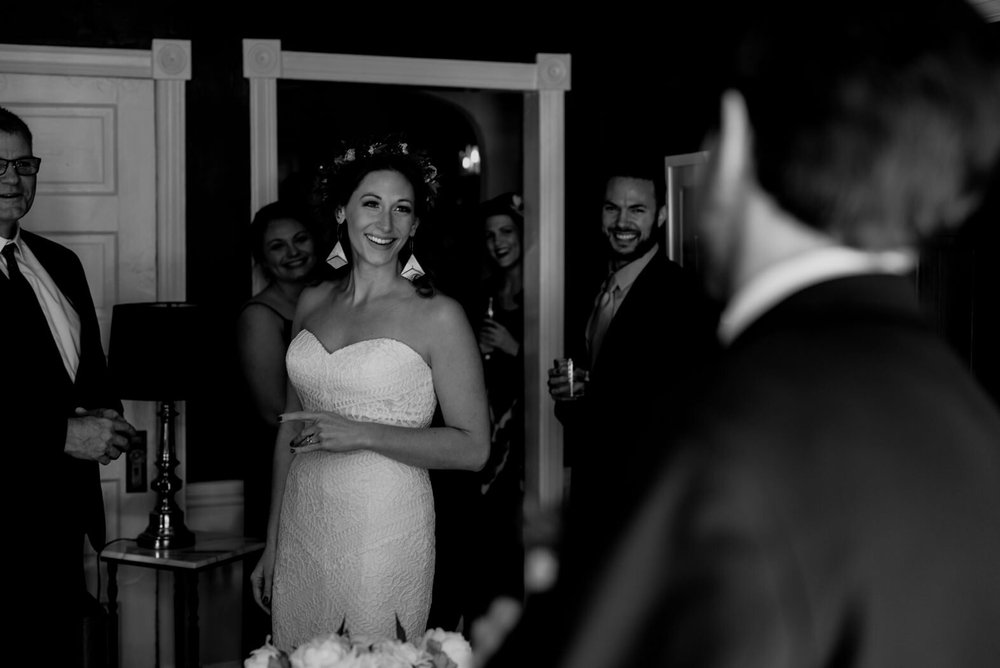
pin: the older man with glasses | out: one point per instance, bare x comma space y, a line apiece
58, 413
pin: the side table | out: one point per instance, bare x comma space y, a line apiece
210, 550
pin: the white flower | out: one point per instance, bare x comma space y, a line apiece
437, 649
404, 651
363, 643
454, 645
263, 657
349, 156
376, 660
330, 651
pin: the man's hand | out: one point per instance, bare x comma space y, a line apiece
562, 386
100, 435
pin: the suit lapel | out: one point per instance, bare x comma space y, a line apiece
45, 251
47, 254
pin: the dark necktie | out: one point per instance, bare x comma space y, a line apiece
35, 341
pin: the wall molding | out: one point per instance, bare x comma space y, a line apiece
444, 73
76, 61
216, 506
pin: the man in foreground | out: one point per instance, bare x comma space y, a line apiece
834, 497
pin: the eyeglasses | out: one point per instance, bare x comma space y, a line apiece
23, 166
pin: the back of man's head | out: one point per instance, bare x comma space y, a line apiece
877, 122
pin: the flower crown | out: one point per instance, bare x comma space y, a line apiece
352, 153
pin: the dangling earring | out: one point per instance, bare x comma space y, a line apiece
337, 258
412, 269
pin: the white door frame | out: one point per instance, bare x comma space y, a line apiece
681, 171
168, 63
544, 84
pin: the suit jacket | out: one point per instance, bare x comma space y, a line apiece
67, 502
661, 340
834, 501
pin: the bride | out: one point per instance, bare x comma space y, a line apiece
350, 539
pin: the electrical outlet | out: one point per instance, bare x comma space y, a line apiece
135, 467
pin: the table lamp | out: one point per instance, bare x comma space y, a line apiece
153, 355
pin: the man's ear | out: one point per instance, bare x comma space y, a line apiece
733, 143
340, 215
661, 216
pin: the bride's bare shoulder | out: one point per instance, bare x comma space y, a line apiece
443, 311
315, 295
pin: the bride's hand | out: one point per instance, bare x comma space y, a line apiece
324, 431
261, 579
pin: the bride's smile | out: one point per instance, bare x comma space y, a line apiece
380, 241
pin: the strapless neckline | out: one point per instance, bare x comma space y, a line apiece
376, 339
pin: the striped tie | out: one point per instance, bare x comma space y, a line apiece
600, 317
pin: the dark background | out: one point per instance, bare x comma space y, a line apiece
638, 78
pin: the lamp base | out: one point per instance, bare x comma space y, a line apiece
166, 531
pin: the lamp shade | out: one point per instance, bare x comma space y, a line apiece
155, 351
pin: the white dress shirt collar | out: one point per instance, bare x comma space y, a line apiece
625, 276
780, 280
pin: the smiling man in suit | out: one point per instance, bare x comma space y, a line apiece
650, 331
649, 337
58, 410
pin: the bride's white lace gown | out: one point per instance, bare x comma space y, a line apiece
356, 536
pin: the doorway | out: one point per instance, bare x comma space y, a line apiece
542, 86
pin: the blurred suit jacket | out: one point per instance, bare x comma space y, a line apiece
65, 495
835, 501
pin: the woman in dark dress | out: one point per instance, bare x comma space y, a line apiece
286, 251
500, 334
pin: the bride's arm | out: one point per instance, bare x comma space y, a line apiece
457, 373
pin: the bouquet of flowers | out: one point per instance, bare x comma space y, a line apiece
437, 649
